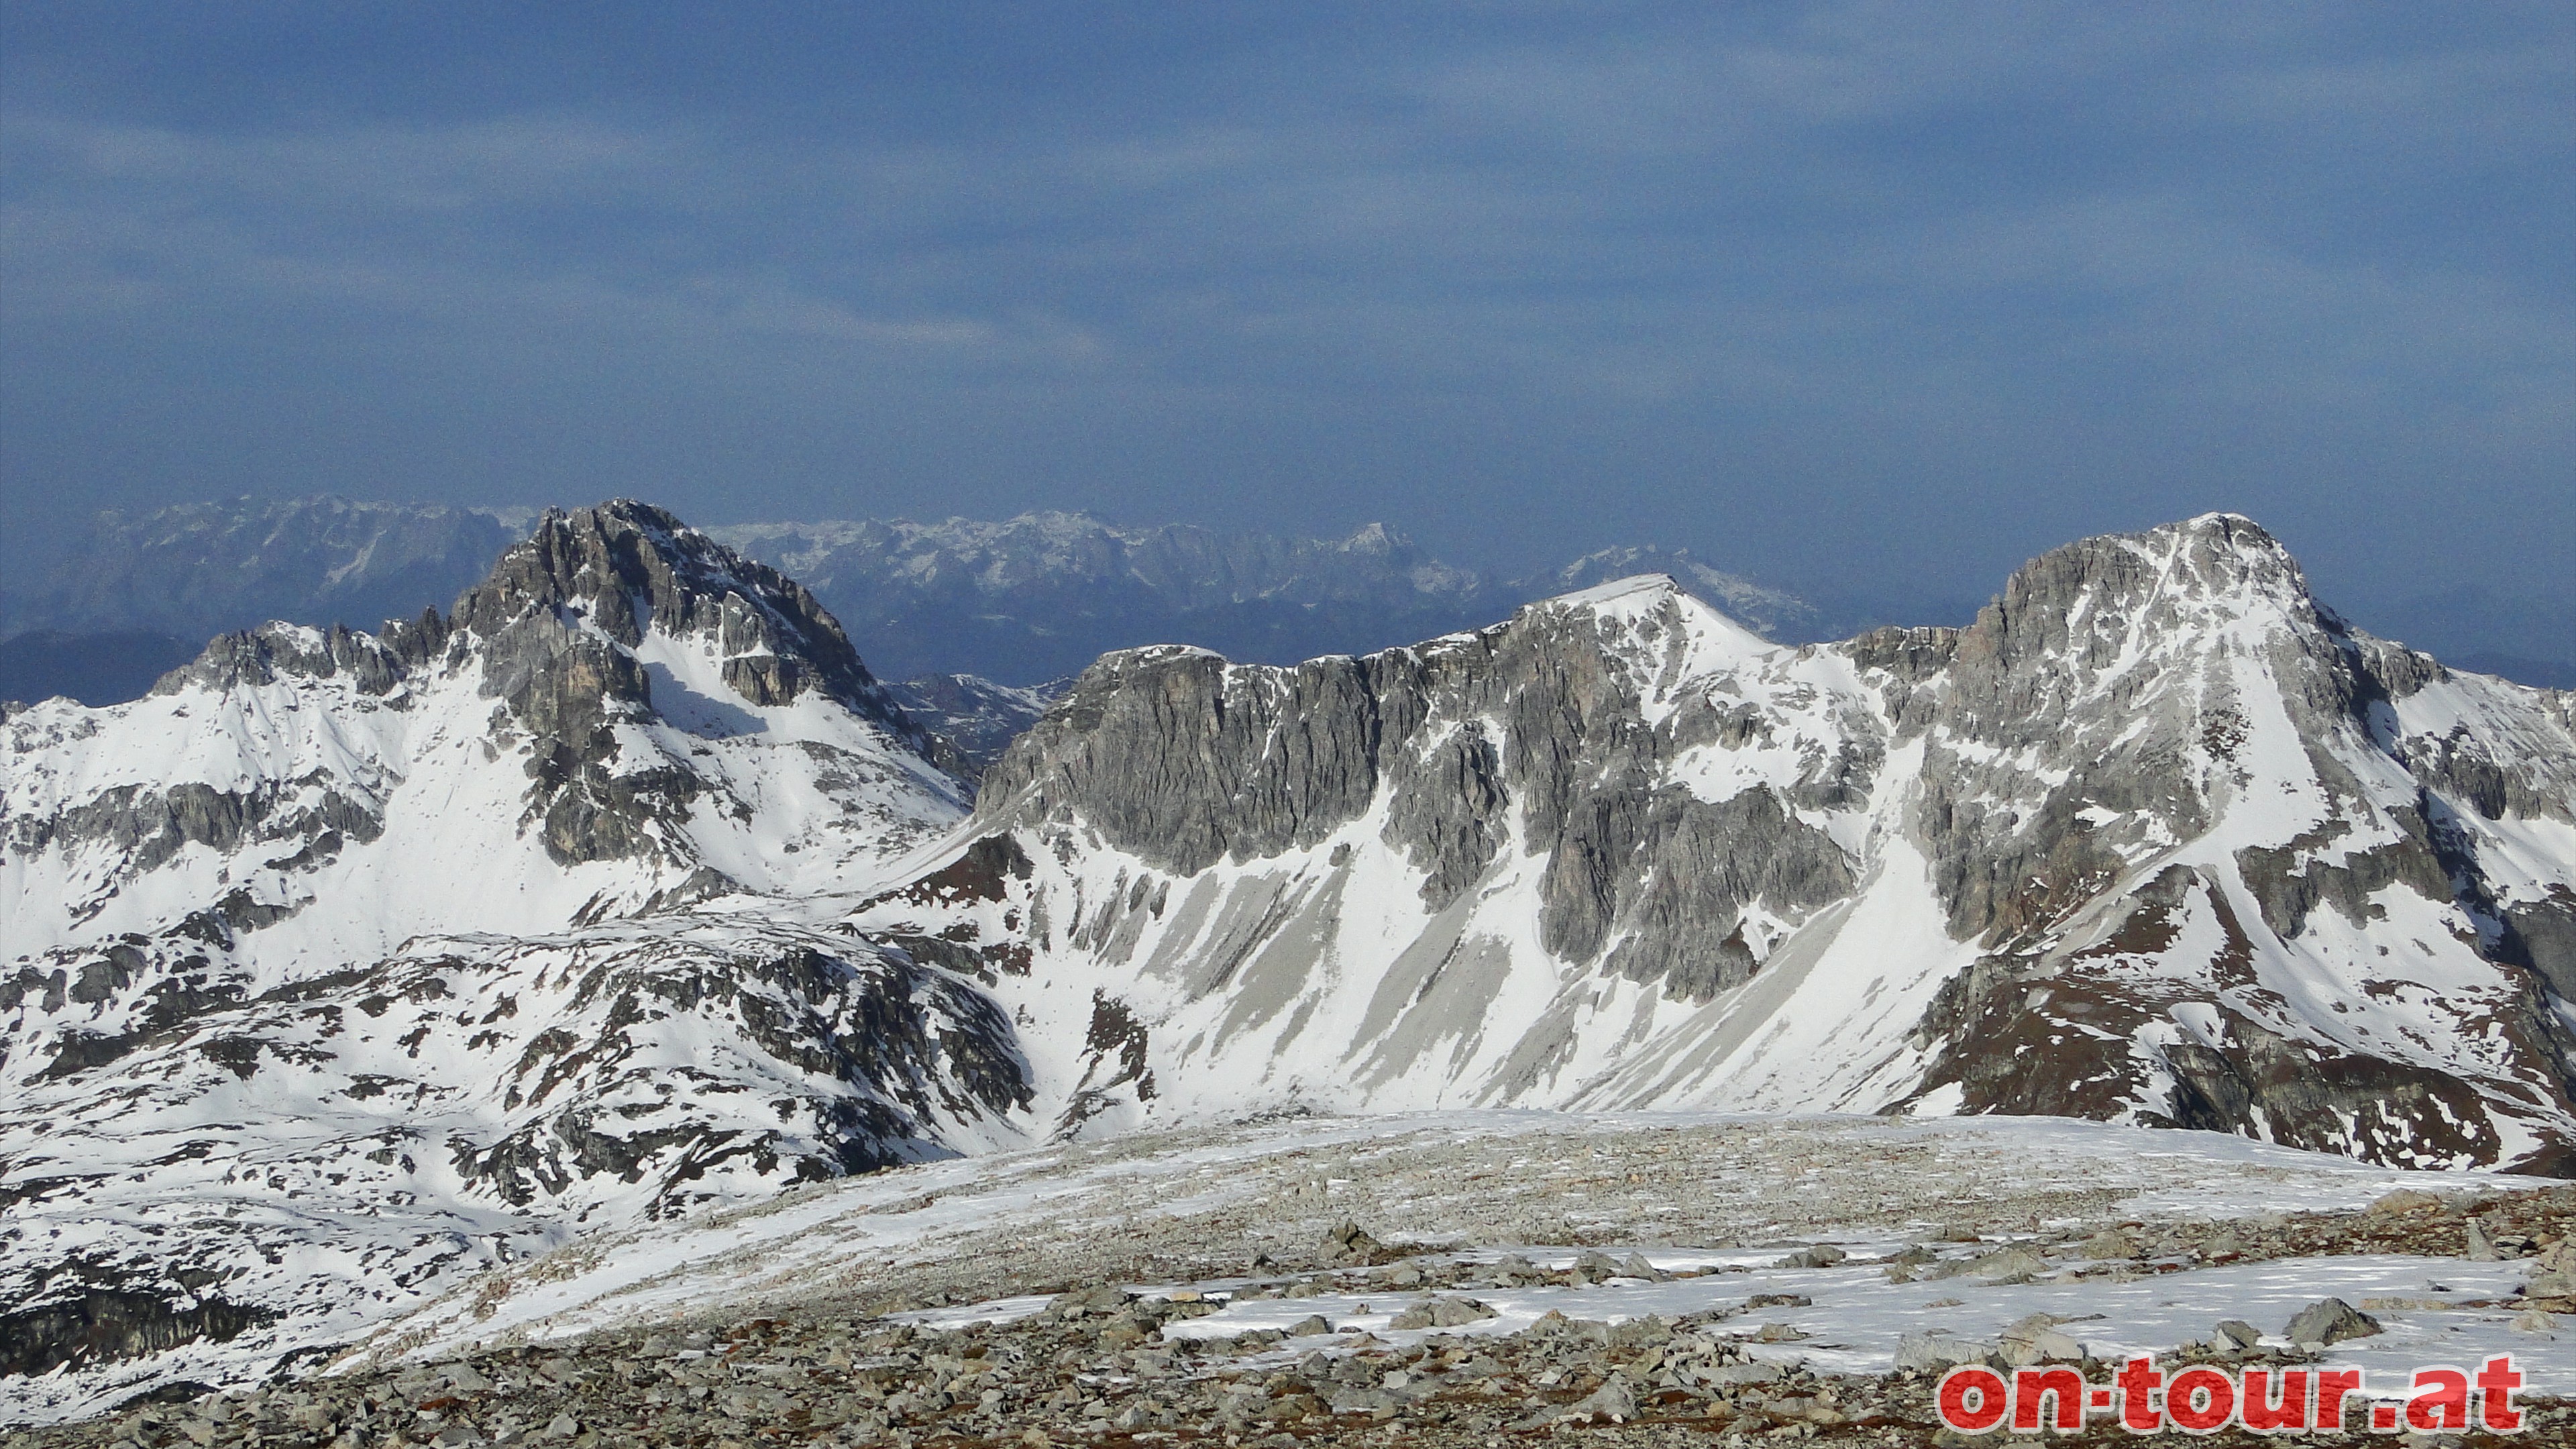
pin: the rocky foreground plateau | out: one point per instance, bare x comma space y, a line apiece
1848, 1262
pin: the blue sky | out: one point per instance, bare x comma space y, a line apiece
1840, 292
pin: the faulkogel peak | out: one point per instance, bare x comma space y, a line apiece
345, 963
626, 568
624, 712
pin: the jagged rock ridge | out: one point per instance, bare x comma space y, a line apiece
344, 963
2157, 838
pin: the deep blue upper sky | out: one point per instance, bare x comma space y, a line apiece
1834, 291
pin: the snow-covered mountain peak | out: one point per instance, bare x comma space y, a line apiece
1378, 539
611, 891
2110, 851
485, 924
626, 569
1650, 621
624, 714
1632, 592
1766, 611
2171, 584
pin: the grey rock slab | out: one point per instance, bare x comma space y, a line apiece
2329, 1321
1931, 1351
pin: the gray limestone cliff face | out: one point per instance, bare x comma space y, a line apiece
554, 627
1188, 760
255, 657
303, 821
2120, 698
2068, 725
1537, 729
2071, 730
2093, 710
2093, 714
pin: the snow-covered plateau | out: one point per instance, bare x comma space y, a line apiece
371, 995
1736, 1192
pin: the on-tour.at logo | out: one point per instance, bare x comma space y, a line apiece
2202, 1399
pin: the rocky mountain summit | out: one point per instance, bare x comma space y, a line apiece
2158, 838
1772, 613
347, 962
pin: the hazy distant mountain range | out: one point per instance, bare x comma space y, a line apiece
137, 594
1042, 595
1019, 601
197, 569
1016, 602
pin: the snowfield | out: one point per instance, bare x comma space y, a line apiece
1731, 1193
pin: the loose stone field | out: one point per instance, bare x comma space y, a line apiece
1470, 1279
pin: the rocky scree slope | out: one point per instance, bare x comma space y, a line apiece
1653, 1348
2157, 839
343, 963
1188, 1286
